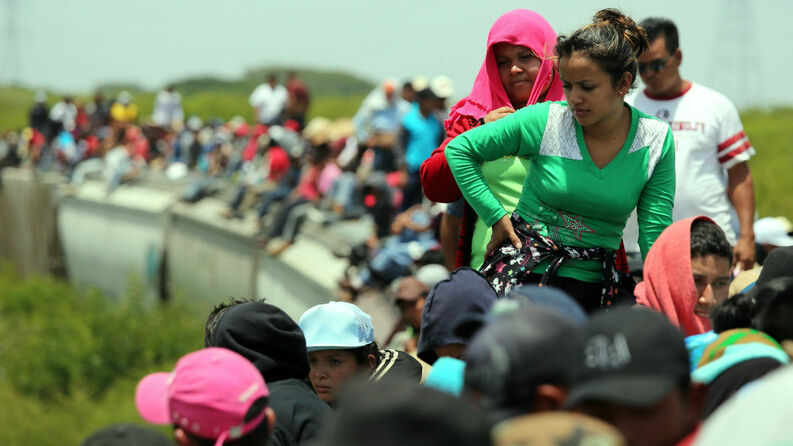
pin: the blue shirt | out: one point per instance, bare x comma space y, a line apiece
422, 136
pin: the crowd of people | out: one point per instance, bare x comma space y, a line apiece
573, 261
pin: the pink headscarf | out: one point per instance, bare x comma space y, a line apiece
668, 285
518, 27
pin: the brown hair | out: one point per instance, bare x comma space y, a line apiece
612, 40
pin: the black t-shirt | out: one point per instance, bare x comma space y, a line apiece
299, 413
396, 365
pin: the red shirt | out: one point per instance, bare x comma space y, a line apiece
307, 188
279, 163
436, 177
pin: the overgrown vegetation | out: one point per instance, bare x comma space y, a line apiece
333, 95
71, 359
771, 134
336, 94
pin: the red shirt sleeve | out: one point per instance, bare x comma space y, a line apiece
436, 177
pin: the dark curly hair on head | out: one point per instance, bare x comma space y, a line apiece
214, 317
362, 353
612, 40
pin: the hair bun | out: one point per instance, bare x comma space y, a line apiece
625, 26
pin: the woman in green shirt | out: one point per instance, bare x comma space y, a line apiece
593, 159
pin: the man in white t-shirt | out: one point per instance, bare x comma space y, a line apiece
167, 108
711, 147
268, 101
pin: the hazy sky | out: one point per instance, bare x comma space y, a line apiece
72, 45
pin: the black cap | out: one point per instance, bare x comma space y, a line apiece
548, 297
628, 356
513, 354
464, 293
126, 434
779, 263
399, 413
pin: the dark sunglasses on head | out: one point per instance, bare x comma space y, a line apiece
654, 65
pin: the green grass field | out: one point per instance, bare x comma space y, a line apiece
771, 134
71, 359
337, 95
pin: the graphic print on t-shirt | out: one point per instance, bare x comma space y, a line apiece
569, 227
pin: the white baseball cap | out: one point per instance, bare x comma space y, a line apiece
770, 231
336, 325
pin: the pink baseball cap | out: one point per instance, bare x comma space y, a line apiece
208, 394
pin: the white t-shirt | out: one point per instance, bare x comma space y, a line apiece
64, 113
709, 139
269, 101
167, 108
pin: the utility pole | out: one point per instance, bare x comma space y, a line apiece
11, 59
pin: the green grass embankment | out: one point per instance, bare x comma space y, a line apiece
71, 359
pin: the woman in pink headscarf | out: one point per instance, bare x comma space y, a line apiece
518, 70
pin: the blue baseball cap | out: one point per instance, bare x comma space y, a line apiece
336, 325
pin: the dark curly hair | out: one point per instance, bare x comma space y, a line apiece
612, 40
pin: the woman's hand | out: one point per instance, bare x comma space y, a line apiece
498, 113
503, 229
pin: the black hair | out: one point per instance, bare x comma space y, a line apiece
656, 27
257, 437
777, 313
362, 354
707, 238
735, 312
430, 257
684, 384
612, 40
760, 254
214, 317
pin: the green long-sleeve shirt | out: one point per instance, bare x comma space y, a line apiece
565, 195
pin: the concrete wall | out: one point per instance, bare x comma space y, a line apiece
109, 239
209, 258
27, 220
142, 231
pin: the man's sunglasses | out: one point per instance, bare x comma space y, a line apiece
654, 65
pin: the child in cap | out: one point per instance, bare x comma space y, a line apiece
340, 344
213, 397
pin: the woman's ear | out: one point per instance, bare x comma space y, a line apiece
624, 84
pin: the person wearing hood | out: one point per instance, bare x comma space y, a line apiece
518, 70
274, 343
340, 344
687, 272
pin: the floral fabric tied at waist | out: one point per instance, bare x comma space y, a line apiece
507, 267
